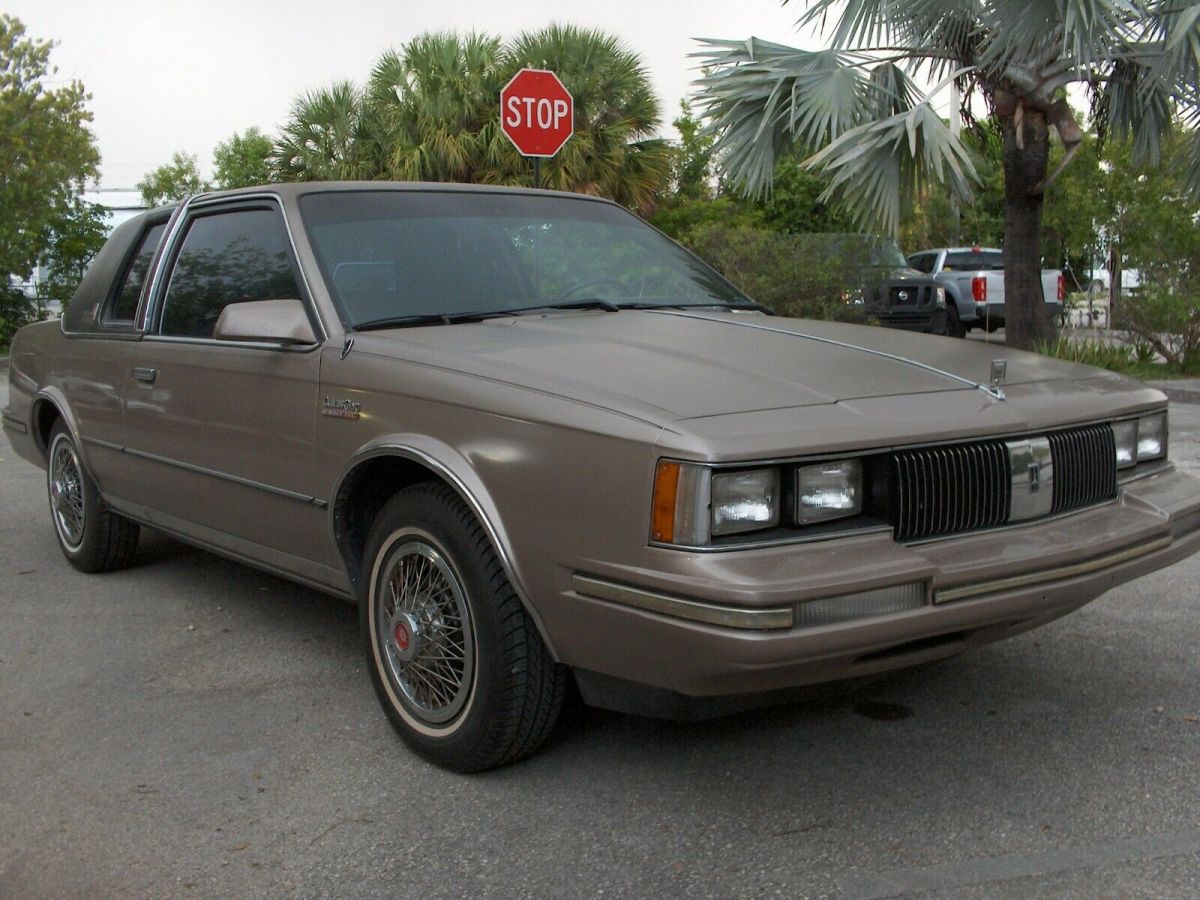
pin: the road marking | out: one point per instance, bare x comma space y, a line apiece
877, 885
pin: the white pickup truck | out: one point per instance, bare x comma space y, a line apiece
974, 281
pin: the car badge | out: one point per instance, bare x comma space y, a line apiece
904, 295
339, 408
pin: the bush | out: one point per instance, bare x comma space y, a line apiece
802, 275
16, 310
1168, 322
1116, 357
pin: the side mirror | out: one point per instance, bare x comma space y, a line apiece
265, 321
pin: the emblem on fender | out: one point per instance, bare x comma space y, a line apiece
339, 408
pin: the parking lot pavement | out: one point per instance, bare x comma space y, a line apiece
191, 727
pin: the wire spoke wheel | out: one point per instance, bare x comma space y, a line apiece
424, 629
66, 494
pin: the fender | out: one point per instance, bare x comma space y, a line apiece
55, 397
456, 470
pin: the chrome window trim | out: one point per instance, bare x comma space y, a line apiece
274, 346
181, 217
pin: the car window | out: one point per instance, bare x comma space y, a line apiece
125, 302
229, 257
408, 253
974, 261
922, 262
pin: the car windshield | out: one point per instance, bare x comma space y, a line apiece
430, 256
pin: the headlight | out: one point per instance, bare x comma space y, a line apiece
1140, 440
745, 501
828, 490
939, 296
1125, 435
1152, 437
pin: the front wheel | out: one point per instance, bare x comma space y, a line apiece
456, 661
91, 537
954, 325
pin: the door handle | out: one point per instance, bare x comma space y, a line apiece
144, 373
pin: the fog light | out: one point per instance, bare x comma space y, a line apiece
1152, 437
828, 490
745, 501
862, 605
1126, 436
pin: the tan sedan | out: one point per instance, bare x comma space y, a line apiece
536, 441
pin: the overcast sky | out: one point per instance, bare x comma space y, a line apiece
167, 75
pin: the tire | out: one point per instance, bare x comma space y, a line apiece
954, 325
456, 662
91, 537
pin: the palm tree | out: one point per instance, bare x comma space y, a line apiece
859, 113
613, 152
432, 110
323, 138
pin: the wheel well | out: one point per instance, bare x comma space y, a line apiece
362, 494
45, 415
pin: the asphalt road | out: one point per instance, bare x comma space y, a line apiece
190, 727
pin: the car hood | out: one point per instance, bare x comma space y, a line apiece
665, 366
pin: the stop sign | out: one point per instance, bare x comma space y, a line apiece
537, 112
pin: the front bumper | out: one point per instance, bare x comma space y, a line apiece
979, 588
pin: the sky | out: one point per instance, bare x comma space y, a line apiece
168, 75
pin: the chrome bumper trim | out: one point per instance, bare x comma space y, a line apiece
695, 611
13, 423
1045, 576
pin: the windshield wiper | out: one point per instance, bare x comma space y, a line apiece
424, 319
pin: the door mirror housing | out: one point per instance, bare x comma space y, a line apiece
265, 321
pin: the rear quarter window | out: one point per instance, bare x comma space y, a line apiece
982, 261
123, 306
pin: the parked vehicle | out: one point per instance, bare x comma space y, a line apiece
974, 281
534, 440
885, 288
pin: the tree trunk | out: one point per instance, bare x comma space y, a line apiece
1027, 322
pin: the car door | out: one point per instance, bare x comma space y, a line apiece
225, 428
93, 372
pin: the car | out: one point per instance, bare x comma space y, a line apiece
541, 445
973, 278
888, 290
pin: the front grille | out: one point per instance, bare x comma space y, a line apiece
1085, 466
943, 490
917, 297
938, 491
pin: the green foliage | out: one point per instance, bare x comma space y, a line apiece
1169, 323
78, 233
16, 310
430, 112
47, 152
176, 180
244, 160
691, 158
323, 138
1092, 352
803, 275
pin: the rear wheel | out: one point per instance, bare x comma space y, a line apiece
92, 538
456, 662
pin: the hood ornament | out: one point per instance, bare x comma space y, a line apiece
999, 371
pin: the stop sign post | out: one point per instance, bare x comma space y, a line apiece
537, 113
